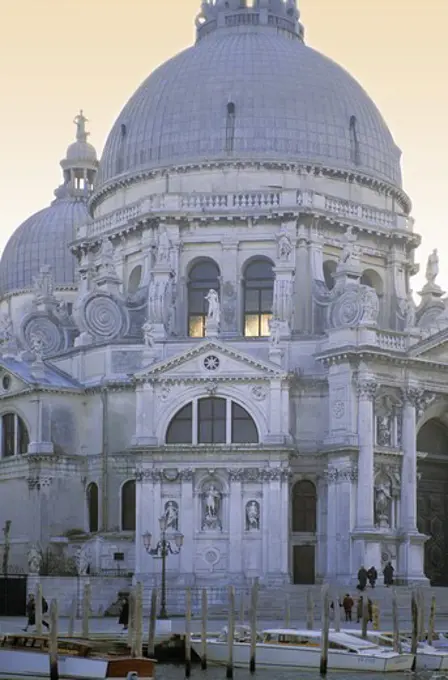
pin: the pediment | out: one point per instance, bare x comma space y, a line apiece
212, 359
11, 382
433, 348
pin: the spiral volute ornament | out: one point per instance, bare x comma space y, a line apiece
104, 317
46, 330
347, 310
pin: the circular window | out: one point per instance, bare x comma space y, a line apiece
211, 363
6, 382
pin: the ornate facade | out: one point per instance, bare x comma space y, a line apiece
215, 323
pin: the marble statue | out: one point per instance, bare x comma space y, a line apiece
408, 310
274, 330
80, 121
284, 246
212, 508
384, 430
107, 256
432, 267
348, 250
214, 308
83, 559
148, 334
6, 329
252, 516
34, 560
383, 499
44, 283
37, 346
172, 515
163, 248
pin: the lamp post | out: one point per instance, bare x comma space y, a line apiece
163, 548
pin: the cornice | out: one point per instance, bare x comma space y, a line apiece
301, 168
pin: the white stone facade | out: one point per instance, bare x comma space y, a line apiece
278, 425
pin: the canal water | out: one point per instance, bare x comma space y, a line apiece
219, 673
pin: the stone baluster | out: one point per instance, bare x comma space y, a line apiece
365, 492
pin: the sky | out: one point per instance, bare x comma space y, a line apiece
57, 56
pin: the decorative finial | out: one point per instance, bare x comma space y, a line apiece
80, 122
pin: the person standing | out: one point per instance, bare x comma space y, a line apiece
348, 603
362, 579
372, 575
388, 573
124, 614
31, 612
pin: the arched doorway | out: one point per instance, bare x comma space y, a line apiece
432, 498
303, 525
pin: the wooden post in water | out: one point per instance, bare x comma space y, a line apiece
152, 625
395, 623
432, 621
414, 638
337, 613
365, 615
421, 614
131, 619
204, 620
309, 610
72, 619
188, 633
241, 616
287, 612
253, 626
38, 601
53, 641
325, 630
137, 647
86, 611
230, 633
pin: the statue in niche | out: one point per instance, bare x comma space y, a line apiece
284, 246
252, 516
214, 308
44, 283
274, 332
34, 560
383, 500
172, 515
384, 430
371, 306
6, 329
432, 267
212, 499
148, 334
408, 310
348, 250
163, 248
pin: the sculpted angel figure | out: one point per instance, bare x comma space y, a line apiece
172, 515
284, 246
214, 308
348, 250
274, 330
34, 560
408, 310
212, 497
432, 268
252, 516
80, 122
163, 247
148, 334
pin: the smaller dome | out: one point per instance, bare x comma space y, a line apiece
81, 151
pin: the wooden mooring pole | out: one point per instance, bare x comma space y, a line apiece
86, 610
188, 633
53, 641
152, 625
309, 610
38, 602
325, 630
432, 621
230, 633
204, 619
253, 626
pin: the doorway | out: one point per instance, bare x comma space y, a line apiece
303, 564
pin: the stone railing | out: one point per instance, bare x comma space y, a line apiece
257, 203
394, 341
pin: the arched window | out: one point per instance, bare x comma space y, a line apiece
14, 436
330, 267
135, 279
92, 507
433, 438
203, 276
304, 507
258, 297
218, 421
128, 506
372, 279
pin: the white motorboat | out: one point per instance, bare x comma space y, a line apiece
26, 656
293, 648
427, 658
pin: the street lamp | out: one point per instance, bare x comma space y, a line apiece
163, 548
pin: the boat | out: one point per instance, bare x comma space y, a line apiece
293, 648
27, 656
427, 657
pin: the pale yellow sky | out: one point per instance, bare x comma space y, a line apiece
57, 56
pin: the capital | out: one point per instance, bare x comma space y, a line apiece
413, 396
366, 389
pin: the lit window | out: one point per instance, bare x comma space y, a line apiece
258, 298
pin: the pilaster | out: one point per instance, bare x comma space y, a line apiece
145, 408
187, 524
230, 299
235, 523
41, 429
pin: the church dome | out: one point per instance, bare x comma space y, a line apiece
248, 90
44, 238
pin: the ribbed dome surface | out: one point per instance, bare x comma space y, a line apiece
43, 239
291, 103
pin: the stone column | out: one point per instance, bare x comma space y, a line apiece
408, 514
236, 524
187, 526
365, 491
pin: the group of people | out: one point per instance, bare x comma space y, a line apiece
371, 575
348, 603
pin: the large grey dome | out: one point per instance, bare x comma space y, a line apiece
41, 240
290, 103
